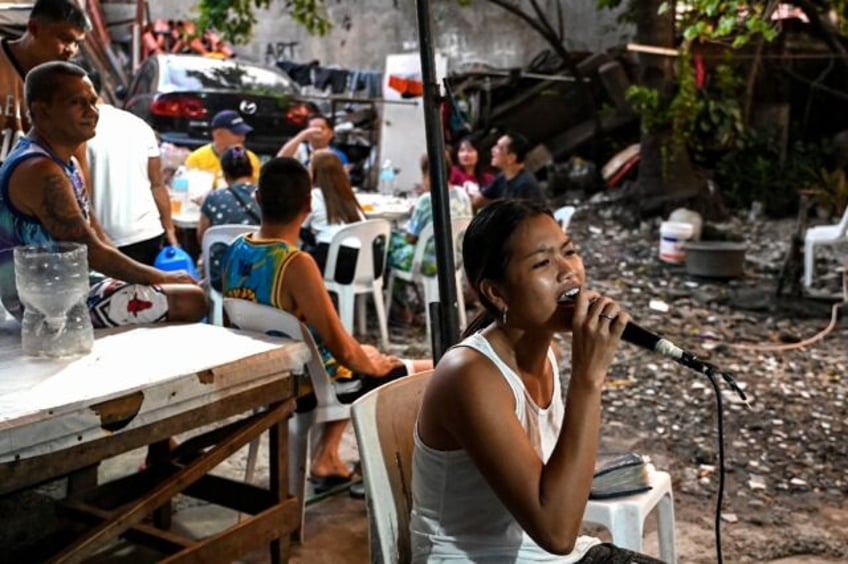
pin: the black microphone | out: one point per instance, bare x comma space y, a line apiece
641, 337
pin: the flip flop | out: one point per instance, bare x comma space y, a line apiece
322, 484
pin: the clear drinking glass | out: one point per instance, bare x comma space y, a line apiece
52, 285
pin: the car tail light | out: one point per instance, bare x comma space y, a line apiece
298, 114
181, 105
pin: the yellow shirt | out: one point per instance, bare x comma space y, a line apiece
204, 158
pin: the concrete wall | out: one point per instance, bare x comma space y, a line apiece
365, 31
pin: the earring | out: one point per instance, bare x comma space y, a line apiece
503, 317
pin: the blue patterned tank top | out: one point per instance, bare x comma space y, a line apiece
254, 269
18, 228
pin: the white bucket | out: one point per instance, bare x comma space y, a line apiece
673, 235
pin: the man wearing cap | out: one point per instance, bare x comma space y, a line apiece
228, 130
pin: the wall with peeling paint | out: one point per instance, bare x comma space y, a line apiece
365, 31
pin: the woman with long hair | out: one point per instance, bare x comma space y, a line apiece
469, 172
502, 465
333, 200
333, 205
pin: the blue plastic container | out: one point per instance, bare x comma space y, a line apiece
175, 258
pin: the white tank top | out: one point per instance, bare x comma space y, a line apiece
455, 515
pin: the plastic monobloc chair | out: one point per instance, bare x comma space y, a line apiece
431, 282
371, 238
822, 235
624, 517
218, 235
383, 420
563, 216
252, 316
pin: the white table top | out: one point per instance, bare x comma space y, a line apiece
188, 218
50, 404
376, 205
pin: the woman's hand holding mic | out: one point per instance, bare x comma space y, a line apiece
597, 325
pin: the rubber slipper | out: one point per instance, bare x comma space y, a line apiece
324, 483
356, 490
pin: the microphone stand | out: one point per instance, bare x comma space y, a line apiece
711, 371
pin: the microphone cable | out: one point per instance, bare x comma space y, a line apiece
720, 495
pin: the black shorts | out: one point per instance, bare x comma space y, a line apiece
607, 553
348, 391
144, 252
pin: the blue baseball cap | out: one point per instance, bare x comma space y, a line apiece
230, 119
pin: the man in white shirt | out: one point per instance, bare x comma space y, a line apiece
129, 195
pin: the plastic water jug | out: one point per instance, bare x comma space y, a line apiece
170, 259
52, 285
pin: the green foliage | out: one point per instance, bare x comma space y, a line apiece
832, 188
235, 19
645, 101
719, 122
753, 172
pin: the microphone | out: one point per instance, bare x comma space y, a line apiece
641, 337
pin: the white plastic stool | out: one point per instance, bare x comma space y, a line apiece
624, 517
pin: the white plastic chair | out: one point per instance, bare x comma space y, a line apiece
624, 517
431, 283
216, 235
364, 236
563, 216
251, 316
384, 421
822, 235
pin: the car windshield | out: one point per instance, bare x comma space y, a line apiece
199, 73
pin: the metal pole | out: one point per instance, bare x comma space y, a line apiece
447, 320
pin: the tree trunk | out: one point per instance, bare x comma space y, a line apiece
665, 171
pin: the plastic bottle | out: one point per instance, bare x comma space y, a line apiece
179, 190
388, 183
52, 285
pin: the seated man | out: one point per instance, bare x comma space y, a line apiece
317, 135
267, 267
43, 198
514, 180
228, 130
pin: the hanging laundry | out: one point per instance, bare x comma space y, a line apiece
299, 72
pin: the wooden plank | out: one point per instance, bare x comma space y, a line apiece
269, 526
82, 480
90, 543
278, 483
32, 471
122, 490
163, 541
116, 413
240, 496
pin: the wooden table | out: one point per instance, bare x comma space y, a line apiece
139, 387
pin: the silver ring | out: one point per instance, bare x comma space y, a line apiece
605, 316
